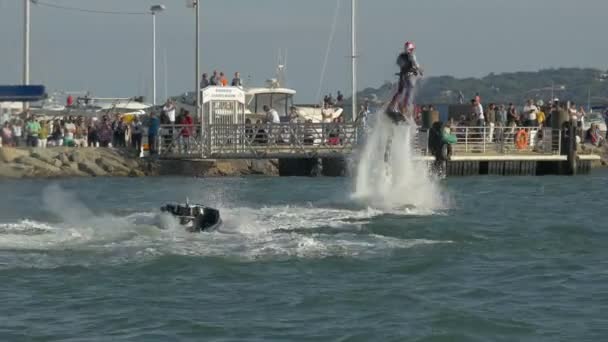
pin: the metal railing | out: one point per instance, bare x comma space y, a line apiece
282, 140
180, 141
506, 140
301, 140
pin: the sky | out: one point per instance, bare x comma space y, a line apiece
111, 55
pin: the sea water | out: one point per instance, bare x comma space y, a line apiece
513, 259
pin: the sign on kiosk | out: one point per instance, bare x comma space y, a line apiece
223, 105
223, 94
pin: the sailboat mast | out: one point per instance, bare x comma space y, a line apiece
165, 73
354, 57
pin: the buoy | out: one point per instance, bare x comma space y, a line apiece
521, 139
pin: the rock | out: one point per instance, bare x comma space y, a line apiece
91, 168
77, 157
111, 165
63, 158
15, 170
225, 168
45, 157
44, 168
9, 154
263, 167
136, 173
73, 171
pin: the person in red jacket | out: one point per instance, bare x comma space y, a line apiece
188, 127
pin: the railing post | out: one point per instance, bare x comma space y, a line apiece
208, 139
466, 139
483, 137
159, 137
559, 142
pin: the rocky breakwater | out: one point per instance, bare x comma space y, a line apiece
217, 168
71, 162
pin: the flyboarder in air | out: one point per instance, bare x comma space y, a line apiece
409, 71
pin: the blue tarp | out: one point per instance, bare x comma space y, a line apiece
22, 93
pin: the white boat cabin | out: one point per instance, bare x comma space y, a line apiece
281, 99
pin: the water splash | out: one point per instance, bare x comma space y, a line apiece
389, 173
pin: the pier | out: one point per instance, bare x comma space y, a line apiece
227, 132
303, 148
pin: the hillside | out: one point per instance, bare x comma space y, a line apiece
568, 83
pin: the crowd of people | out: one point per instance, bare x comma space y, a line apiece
532, 116
72, 131
220, 80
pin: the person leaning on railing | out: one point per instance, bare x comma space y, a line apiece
490, 122
309, 133
272, 118
153, 128
249, 134
186, 133
260, 133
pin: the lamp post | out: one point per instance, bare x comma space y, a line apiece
153, 10
354, 58
26, 42
26, 46
195, 5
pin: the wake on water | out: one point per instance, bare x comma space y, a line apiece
82, 238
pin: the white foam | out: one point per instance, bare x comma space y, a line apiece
398, 181
268, 233
83, 238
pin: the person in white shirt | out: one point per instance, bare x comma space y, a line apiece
530, 111
169, 108
478, 112
326, 113
272, 116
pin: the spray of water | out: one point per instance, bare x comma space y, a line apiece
389, 174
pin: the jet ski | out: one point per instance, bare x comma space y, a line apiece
195, 217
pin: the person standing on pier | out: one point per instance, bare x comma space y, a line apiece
272, 118
204, 81
223, 80
153, 128
236, 81
214, 80
491, 122
478, 113
169, 109
530, 111
186, 134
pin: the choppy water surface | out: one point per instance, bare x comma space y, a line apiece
506, 259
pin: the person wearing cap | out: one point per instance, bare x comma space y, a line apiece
409, 70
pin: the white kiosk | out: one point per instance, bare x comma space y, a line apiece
223, 119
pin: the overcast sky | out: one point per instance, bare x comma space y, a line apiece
111, 55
